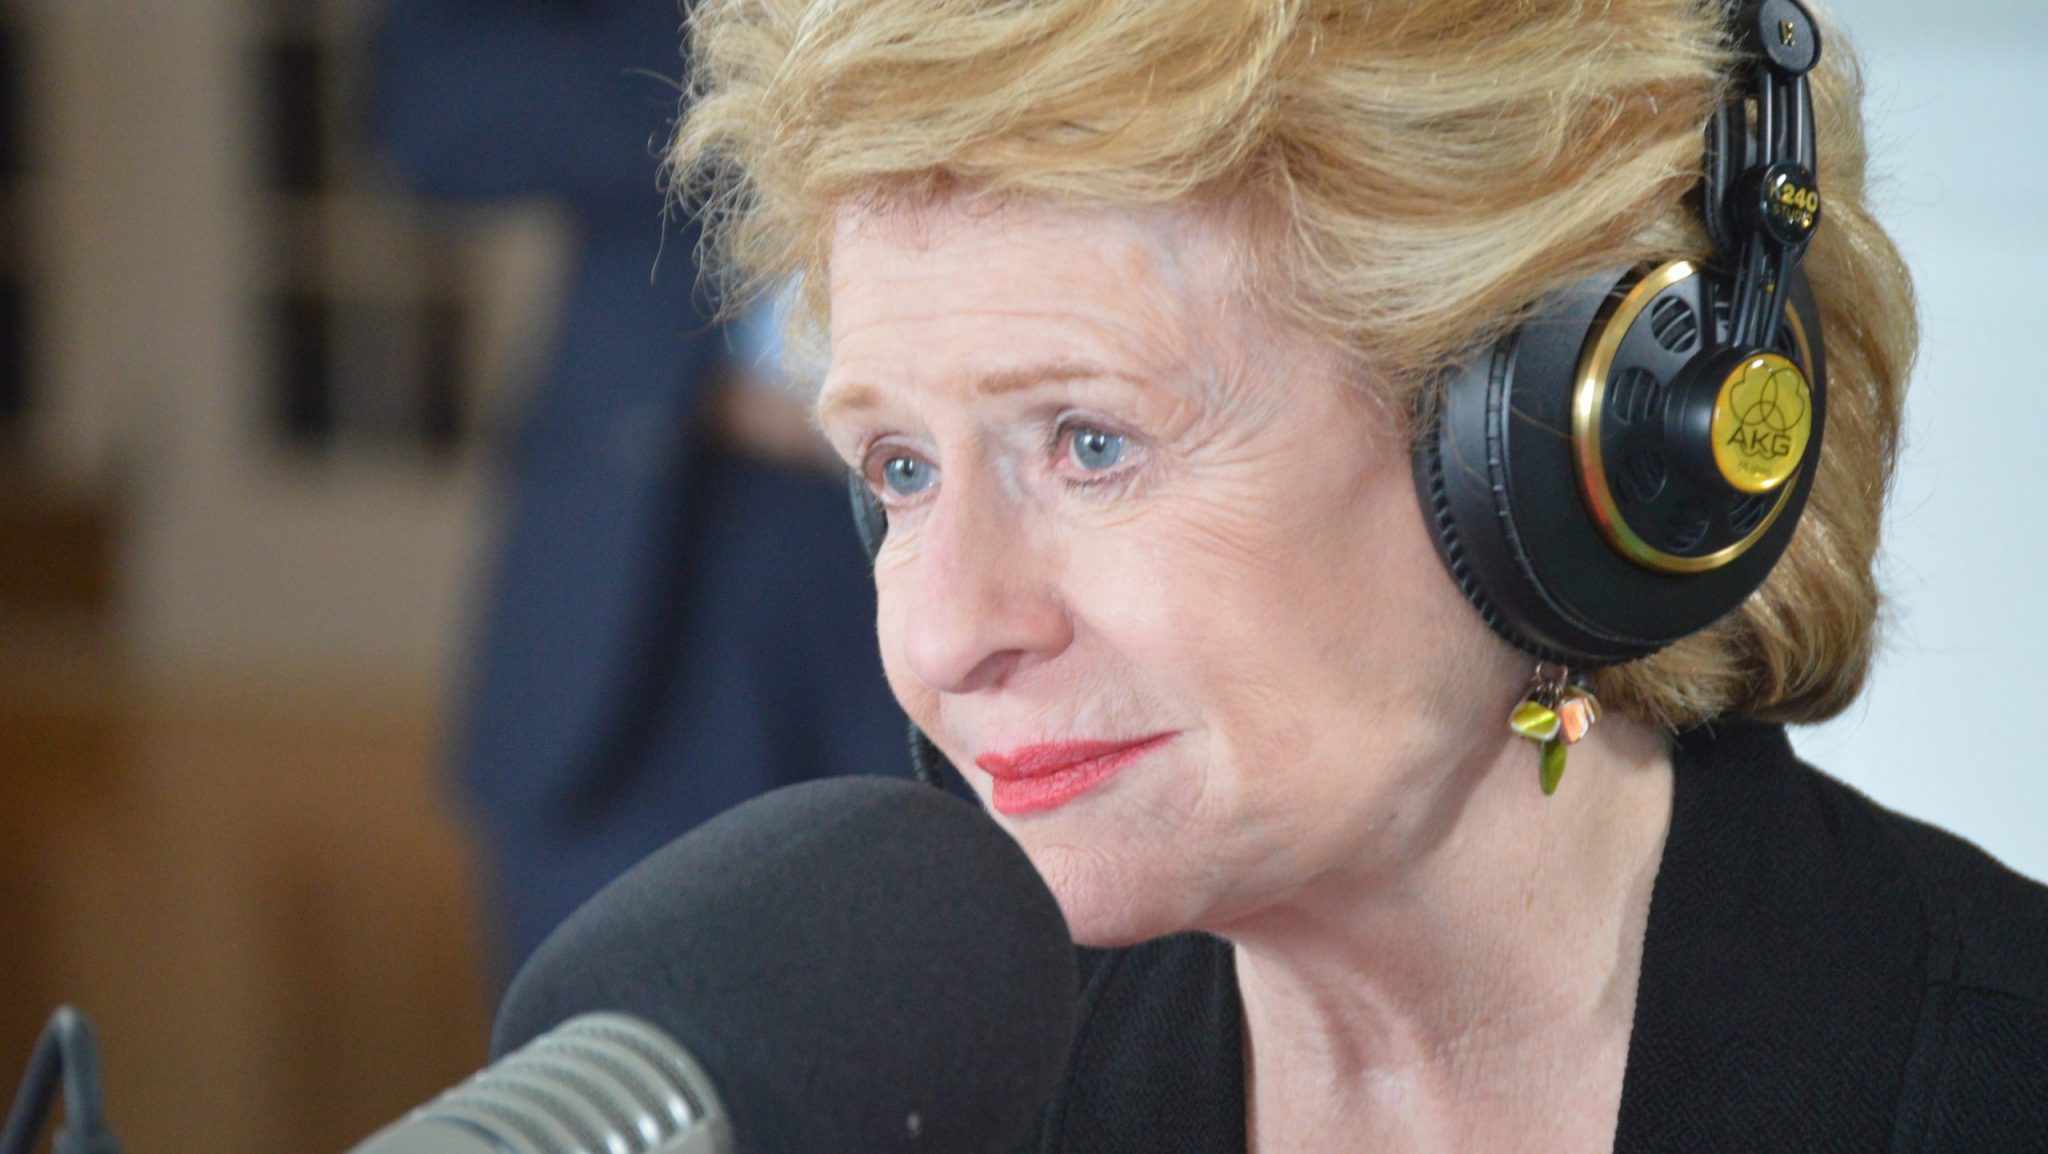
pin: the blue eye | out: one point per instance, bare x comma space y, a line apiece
1097, 449
906, 476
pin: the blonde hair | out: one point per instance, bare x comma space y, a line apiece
1425, 170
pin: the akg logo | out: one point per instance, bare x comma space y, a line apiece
1768, 404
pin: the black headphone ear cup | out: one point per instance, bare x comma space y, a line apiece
1460, 466
1436, 440
1498, 471
870, 520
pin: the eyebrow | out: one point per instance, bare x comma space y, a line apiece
858, 396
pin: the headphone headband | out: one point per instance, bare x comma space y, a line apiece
1759, 192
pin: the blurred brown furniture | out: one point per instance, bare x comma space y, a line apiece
254, 890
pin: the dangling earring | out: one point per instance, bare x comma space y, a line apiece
1555, 713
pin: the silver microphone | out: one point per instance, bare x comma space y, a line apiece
597, 1084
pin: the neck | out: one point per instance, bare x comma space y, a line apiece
1483, 984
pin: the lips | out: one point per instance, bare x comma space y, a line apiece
1036, 778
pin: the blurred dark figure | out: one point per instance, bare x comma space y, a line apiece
680, 615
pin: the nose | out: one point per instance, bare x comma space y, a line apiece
982, 598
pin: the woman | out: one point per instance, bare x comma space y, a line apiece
1137, 314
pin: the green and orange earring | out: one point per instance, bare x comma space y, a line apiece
1556, 712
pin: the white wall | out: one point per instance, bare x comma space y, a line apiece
1948, 730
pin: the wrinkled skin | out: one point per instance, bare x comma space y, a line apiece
1124, 502
1252, 576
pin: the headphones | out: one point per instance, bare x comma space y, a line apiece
1625, 467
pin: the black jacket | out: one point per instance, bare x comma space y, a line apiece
1819, 974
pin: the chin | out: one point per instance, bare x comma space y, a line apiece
1107, 903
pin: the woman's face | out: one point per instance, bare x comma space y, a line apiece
1155, 579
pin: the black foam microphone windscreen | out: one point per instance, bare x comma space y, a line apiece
860, 964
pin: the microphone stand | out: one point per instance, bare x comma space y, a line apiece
68, 1050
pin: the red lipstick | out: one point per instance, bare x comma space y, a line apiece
1036, 778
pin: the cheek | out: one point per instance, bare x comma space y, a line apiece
1293, 617
919, 702
1303, 578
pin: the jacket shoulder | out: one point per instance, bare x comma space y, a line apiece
1993, 920
1978, 1075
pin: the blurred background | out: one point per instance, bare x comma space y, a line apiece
249, 394
261, 437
